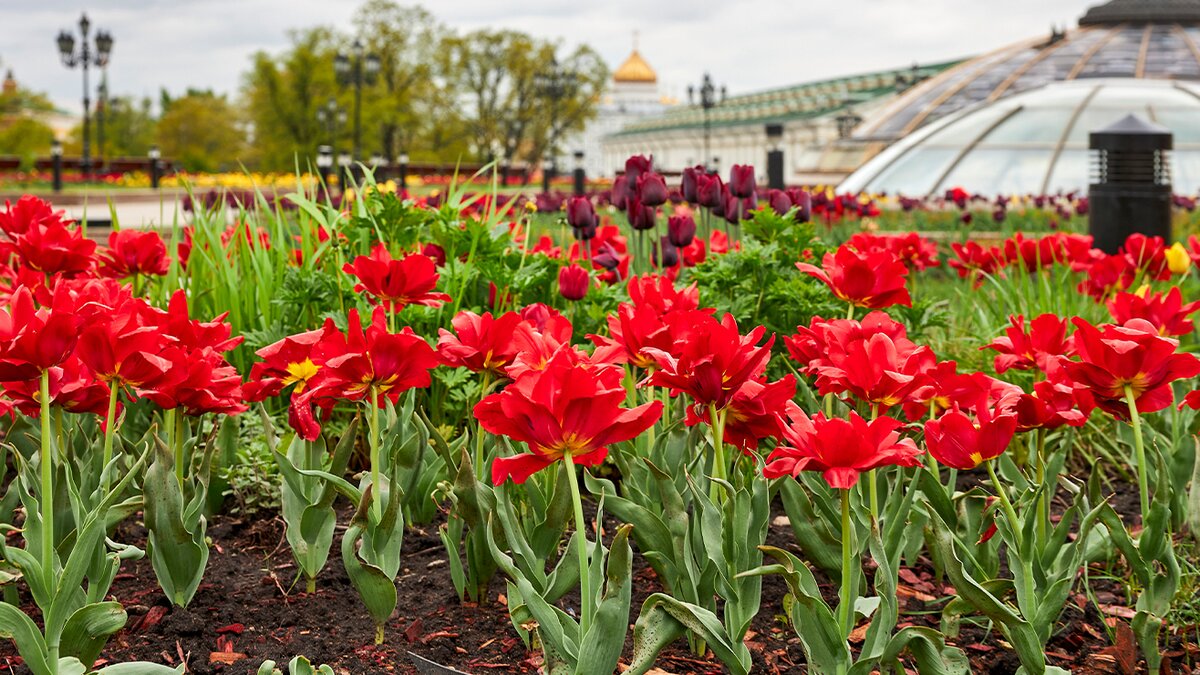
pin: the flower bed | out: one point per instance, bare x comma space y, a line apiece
499, 436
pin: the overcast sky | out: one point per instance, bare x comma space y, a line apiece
746, 44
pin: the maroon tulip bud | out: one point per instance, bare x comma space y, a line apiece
573, 282
669, 254
607, 257
622, 191
641, 217
779, 200
652, 189
967, 217
689, 182
636, 165
580, 212
709, 191
437, 253
681, 230
741, 180
999, 214
802, 200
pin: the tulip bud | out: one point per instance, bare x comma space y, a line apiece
669, 254
437, 253
636, 165
622, 192
780, 202
607, 257
652, 189
802, 200
584, 233
641, 217
681, 230
688, 184
741, 180
580, 212
1178, 260
709, 191
573, 282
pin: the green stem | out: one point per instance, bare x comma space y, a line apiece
846, 604
47, 466
480, 460
1139, 448
1028, 603
1043, 505
872, 483
109, 421
720, 470
376, 497
180, 460
585, 581
850, 311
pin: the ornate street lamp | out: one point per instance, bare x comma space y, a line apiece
708, 101
356, 69
332, 116
85, 58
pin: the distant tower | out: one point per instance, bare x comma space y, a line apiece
10, 84
635, 84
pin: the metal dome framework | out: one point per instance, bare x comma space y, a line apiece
1034, 142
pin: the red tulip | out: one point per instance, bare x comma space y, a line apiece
874, 369
294, 360
28, 213
198, 381
196, 334
712, 362
573, 282
1147, 255
872, 279
975, 261
636, 327
568, 408
33, 340
810, 346
841, 449
483, 343
1039, 348
396, 283
1134, 356
73, 387
755, 412
956, 440
53, 248
1055, 402
122, 348
915, 251
659, 293
1166, 311
651, 189
133, 252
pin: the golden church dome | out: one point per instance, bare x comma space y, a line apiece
635, 69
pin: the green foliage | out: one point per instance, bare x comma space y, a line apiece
199, 132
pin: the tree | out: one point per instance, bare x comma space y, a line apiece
501, 78
25, 137
129, 127
282, 96
200, 132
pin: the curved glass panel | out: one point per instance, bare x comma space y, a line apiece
1006, 172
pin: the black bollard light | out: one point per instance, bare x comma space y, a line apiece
774, 157
56, 161
345, 166
325, 163
1131, 184
155, 156
580, 176
403, 161
547, 175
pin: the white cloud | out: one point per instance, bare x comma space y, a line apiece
746, 44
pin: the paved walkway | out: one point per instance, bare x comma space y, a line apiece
143, 213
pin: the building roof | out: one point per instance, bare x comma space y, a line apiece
1142, 11
635, 69
796, 102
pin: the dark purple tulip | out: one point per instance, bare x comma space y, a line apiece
741, 180
580, 212
1081, 207
670, 254
999, 214
802, 200
681, 230
652, 189
622, 191
709, 191
689, 183
967, 217
637, 165
641, 217
607, 257
779, 200
584, 233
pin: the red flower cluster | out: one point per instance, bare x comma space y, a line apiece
396, 283
1039, 347
841, 449
918, 253
871, 279
133, 253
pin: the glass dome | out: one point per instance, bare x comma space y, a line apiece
1034, 142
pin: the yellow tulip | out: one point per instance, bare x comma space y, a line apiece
1178, 260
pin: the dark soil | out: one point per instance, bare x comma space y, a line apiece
249, 609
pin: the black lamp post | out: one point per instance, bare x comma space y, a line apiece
332, 116
155, 168
555, 84
357, 68
580, 175
708, 101
325, 163
402, 160
85, 58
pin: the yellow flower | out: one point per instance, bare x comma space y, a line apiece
1178, 260
1141, 292
530, 207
